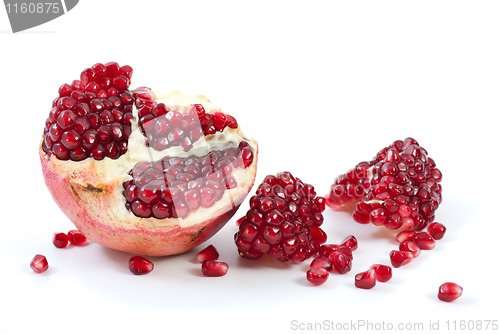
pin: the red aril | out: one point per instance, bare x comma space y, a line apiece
341, 262
405, 235
350, 241
60, 240
212, 268
383, 273
424, 241
365, 279
208, 253
317, 276
321, 262
436, 230
39, 264
76, 238
139, 265
449, 291
411, 247
400, 258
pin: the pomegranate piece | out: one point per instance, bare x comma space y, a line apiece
213, 268
76, 238
436, 230
449, 292
411, 247
60, 240
383, 273
351, 242
405, 235
365, 279
39, 264
139, 265
424, 241
317, 276
399, 188
321, 262
279, 221
208, 253
400, 258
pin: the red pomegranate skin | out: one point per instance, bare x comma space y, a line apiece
131, 236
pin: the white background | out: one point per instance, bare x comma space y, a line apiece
321, 85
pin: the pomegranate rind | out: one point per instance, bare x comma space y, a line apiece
95, 204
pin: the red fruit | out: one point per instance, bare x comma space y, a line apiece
317, 276
351, 242
383, 273
424, 241
76, 238
399, 189
280, 219
411, 247
60, 240
208, 253
214, 268
449, 292
405, 235
341, 262
321, 262
39, 264
146, 172
436, 230
365, 279
139, 265
400, 258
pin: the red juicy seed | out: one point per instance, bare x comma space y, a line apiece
350, 242
317, 276
400, 258
60, 240
383, 273
436, 230
39, 264
424, 241
341, 262
365, 279
321, 262
240, 220
209, 254
76, 238
405, 235
410, 246
346, 251
449, 292
281, 220
139, 265
318, 235
327, 249
214, 268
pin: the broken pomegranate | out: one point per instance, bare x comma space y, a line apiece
365, 279
399, 188
317, 276
449, 291
39, 264
139, 265
279, 221
142, 171
213, 268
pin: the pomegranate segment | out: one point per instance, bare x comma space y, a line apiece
317, 276
208, 253
212, 268
39, 264
279, 221
449, 292
139, 265
399, 188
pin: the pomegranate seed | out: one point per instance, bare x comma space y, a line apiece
365, 279
318, 235
424, 241
76, 238
400, 258
39, 264
350, 241
240, 220
449, 292
60, 240
209, 253
321, 262
212, 268
436, 230
317, 276
383, 273
341, 262
346, 251
410, 246
327, 249
139, 265
405, 235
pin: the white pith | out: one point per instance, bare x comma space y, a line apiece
111, 208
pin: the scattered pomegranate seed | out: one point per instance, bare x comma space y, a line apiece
449, 292
341, 262
214, 268
209, 253
436, 230
317, 276
327, 249
76, 238
400, 258
39, 264
410, 246
240, 220
424, 241
60, 240
350, 241
318, 235
383, 273
365, 279
321, 262
139, 265
405, 235
346, 251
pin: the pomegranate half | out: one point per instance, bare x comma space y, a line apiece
141, 171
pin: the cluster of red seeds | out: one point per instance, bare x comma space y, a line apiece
164, 127
399, 188
92, 116
283, 220
176, 186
